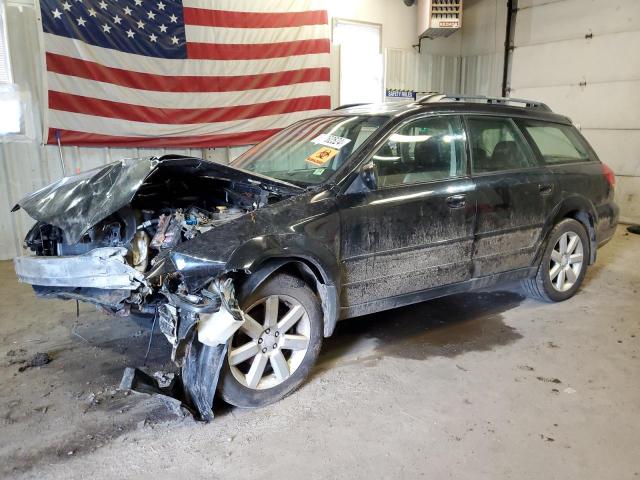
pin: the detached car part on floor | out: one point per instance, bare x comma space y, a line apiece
247, 267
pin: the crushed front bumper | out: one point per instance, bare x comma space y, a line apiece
103, 268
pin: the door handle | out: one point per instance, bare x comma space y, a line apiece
457, 201
545, 188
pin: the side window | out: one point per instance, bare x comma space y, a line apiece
497, 144
557, 143
423, 150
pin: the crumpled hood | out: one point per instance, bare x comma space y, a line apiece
76, 203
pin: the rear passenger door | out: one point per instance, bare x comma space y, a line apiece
515, 195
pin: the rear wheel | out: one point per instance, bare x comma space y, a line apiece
563, 265
274, 350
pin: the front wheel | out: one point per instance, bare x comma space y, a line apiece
563, 265
279, 342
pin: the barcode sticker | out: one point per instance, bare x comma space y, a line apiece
332, 141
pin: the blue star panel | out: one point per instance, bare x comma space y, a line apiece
145, 27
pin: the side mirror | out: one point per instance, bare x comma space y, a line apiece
369, 175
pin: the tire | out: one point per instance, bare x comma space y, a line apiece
546, 284
238, 384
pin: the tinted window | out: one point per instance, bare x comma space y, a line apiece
557, 143
497, 145
421, 151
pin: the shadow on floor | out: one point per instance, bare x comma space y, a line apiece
447, 326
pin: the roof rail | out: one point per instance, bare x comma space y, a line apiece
349, 105
429, 97
433, 98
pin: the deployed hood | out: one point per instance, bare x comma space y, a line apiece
76, 203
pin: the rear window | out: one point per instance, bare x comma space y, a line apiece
557, 143
497, 145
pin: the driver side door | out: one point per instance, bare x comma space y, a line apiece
414, 230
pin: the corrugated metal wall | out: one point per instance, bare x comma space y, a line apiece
439, 73
426, 72
582, 59
482, 46
410, 70
479, 74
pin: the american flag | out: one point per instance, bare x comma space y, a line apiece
199, 73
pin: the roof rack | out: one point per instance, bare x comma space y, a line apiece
349, 105
440, 97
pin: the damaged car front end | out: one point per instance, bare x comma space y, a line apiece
239, 264
112, 237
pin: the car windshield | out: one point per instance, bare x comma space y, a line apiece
309, 152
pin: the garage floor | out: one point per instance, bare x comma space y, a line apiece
483, 385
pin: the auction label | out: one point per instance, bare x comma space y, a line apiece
332, 141
322, 156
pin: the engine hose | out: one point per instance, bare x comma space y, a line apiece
210, 307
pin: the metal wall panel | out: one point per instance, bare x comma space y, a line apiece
407, 69
401, 68
581, 58
439, 73
607, 105
547, 21
621, 148
481, 74
570, 62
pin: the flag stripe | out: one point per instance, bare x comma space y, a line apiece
177, 116
229, 19
118, 127
179, 68
188, 83
71, 137
272, 6
133, 96
251, 36
221, 51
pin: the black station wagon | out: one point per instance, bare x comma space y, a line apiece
246, 267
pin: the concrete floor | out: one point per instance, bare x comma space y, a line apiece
484, 385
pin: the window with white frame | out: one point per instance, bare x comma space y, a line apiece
11, 120
5, 68
361, 65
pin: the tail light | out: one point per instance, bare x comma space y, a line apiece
609, 175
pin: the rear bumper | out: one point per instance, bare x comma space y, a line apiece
608, 222
103, 268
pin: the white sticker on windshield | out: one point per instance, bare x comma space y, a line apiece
332, 141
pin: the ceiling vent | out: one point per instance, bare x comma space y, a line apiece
439, 18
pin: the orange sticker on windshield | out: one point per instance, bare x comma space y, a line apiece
322, 156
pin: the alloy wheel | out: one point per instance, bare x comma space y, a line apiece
271, 344
566, 261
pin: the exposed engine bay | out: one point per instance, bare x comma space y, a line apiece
141, 237
174, 204
152, 225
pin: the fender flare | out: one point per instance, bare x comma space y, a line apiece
263, 256
581, 209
